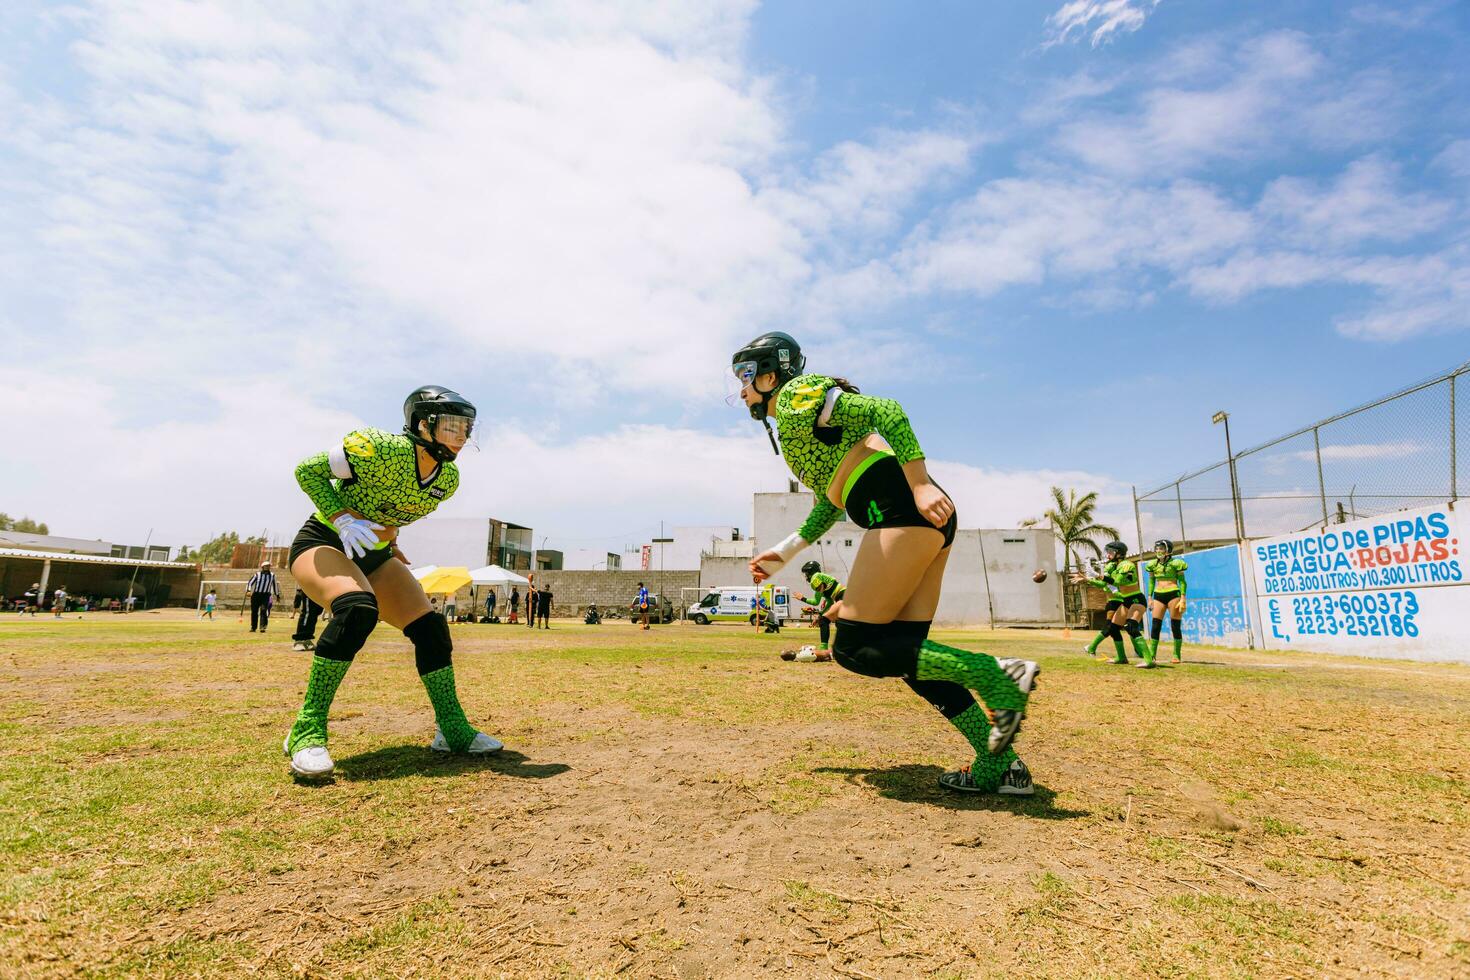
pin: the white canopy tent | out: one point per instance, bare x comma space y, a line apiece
497, 577
423, 571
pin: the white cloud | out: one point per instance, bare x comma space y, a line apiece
1098, 20
303, 206
1393, 449
1271, 93
1364, 203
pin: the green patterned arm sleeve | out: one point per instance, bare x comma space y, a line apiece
819, 521
883, 414
314, 473
1179, 567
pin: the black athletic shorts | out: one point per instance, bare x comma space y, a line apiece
1165, 597
315, 534
1126, 602
882, 497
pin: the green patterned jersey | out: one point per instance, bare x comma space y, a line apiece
828, 590
819, 423
1120, 577
1166, 572
375, 474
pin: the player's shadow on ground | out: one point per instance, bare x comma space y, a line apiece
920, 784
398, 761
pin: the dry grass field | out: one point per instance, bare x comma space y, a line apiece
684, 804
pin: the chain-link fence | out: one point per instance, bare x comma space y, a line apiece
1393, 453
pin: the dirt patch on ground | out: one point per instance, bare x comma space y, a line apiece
690, 808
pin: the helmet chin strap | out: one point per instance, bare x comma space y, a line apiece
436, 449
761, 413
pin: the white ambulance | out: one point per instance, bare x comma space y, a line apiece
732, 604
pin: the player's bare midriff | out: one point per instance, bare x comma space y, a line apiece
870, 445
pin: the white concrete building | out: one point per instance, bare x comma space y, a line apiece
987, 581
687, 547
590, 559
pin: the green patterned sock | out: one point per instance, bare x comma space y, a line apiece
977, 671
310, 727
1178, 648
1119, 657
1140, 648
987, 769
1097, 641
458, 732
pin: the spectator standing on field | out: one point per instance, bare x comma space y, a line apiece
642, 603
531, 605
262, 588
209, 600
490, 606
543, 599
58, 602
32, 599
306, 616
128, 605
515, 602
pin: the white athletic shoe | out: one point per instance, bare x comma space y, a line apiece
299, 647
482, 745
1005, 723
312, 762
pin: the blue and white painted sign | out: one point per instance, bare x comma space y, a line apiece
1390, 586
1216, 612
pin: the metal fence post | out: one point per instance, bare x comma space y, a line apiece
1454, 469
1137, 521
1179, 498
1321, 484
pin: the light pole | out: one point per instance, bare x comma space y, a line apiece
661, 541
1217, 419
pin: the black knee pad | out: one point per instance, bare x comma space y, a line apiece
1134, 628
1176, 626
353, 617
875, 649
1156, 628
432, 645
1114, 631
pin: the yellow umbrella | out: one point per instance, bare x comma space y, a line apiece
446, 581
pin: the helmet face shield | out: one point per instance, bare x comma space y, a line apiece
742, 376
459, 427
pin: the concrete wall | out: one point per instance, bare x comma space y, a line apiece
685, 550
447, 541
572, 590
972, 584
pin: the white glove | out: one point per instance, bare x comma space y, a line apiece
356, 534
789, 548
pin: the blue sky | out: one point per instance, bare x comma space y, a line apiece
231, 237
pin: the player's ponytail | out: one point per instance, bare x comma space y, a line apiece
846, 386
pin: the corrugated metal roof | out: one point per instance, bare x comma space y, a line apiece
90, 559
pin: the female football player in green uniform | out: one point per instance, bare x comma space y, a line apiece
1125, 606
858, 453
1167, 575
829, 593
346, 557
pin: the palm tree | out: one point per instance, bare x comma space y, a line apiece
1071, 518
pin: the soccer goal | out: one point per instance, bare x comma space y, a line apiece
230, 593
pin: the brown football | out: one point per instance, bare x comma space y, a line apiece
1040, 576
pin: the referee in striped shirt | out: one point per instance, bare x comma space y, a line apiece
262, 586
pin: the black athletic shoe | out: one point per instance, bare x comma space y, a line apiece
1016, 781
